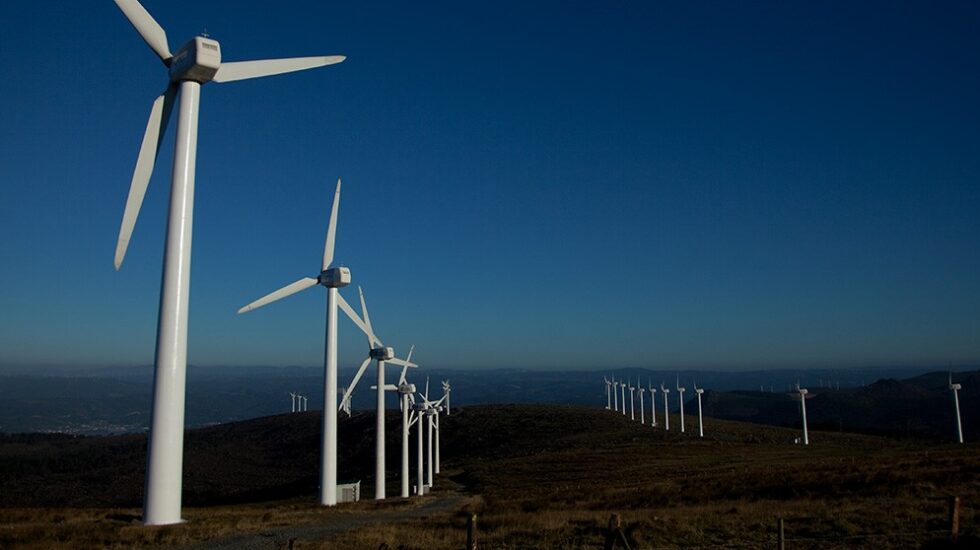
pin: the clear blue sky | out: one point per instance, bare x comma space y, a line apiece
537, 184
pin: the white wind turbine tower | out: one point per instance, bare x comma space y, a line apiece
615, 392
406, 394
622, 388
653, 403
608, 393
665, 391
955, 388
680, 396
699, 391
332, 278
306, 403
197, 62
382, 355
632, 389
802, 395
641, 390
446, 389
418, 412
294, 401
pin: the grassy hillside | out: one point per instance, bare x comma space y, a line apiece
538, 476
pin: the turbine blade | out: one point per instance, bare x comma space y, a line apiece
367, 320
287, 290
354, 317
149, 29
400, 362
357, 378
155, 127
241, 70
331, 230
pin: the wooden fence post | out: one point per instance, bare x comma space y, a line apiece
780, 533
954, 519
615, 533
471, 532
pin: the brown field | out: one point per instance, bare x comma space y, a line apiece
550, 477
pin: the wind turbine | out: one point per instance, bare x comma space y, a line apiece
405, 400
417, 412
332, 278
698, 391
632, 389
680, 396
955, 388
608, 396
446, 389
653, 403
642, 391
306, 403
431, 411
802, 396
406, 394
381, 354
615, 392
196, 63
665, 391
294, 401
622, 388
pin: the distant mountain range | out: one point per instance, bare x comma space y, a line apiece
111, 400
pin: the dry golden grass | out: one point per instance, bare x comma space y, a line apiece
559, 490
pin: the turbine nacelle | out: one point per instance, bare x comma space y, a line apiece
335, 277
386, 353
406, 389
198, 60
956, 387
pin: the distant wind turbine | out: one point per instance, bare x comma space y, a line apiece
622, 388
698, 391
802, 395
632, 389
665, 391
680, 397
446, 390
293, 395
641, 390
615, 392
955, 388
653, 403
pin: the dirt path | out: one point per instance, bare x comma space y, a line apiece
279, 537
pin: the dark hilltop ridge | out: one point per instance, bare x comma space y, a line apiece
920, 407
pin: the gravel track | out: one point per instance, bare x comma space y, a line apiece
279, 537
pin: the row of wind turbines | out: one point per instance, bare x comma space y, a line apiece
300, 403
195, 64
615, 388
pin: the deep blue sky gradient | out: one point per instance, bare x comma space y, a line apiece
526, 184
